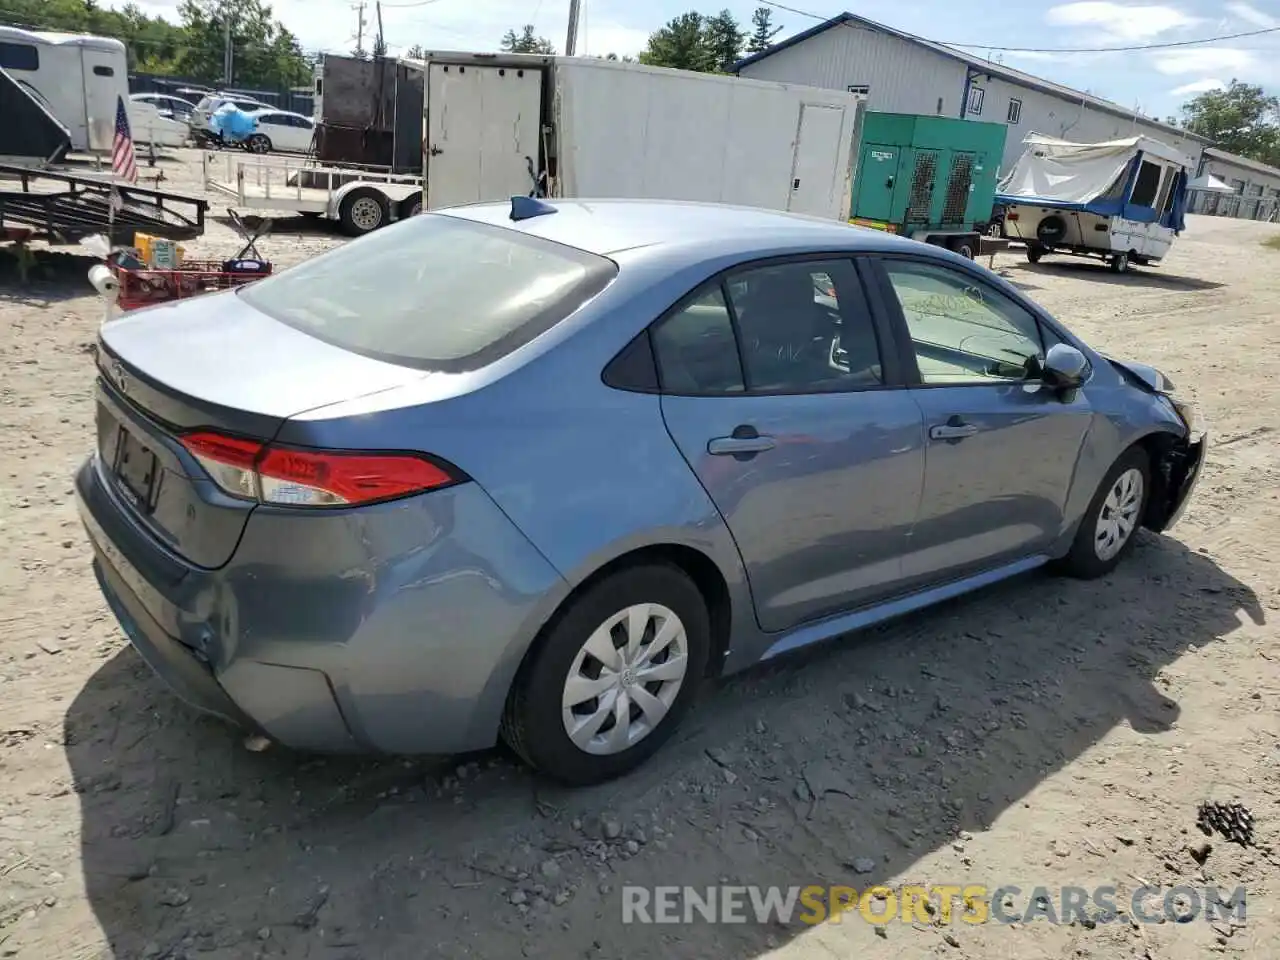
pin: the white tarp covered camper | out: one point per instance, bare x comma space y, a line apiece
1122, 200
1068, 172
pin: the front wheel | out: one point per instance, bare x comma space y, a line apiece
612, 678
1034, 253
362, 211
1110, 524
1120, 263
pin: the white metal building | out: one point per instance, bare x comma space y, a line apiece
902, 73
1256, 188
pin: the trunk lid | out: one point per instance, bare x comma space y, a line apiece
212, 363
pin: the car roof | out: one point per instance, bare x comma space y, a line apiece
608, 227
287, 113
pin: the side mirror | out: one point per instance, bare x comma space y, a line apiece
1065, 368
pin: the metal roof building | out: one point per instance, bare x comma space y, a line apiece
1256, 187
902, 73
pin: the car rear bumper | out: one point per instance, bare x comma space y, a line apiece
396, 628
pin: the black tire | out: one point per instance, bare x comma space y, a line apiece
258, 143
965, 246
533, 724
1120, 263
409, 207
356, 214
1083, 561
1034, 253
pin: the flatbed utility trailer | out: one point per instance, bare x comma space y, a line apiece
360, 198
929, 178
61, 206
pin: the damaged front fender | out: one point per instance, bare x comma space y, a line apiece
1176, 464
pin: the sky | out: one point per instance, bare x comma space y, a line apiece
1156, 82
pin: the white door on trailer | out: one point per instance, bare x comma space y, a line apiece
106, 82
813, 173
482, 132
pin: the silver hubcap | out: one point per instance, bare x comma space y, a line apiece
366, 214
625, 679
1119, 514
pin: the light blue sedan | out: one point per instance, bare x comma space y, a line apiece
535, 470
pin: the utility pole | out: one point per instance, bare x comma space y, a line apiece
571, 41
360, 22
380, 46
228, 53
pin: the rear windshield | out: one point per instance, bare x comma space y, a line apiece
434, 292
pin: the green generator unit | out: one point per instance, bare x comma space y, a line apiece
928, 178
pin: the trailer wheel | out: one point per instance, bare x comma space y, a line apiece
1034, 253
1120, 263
965, 246
363, 210
410, 207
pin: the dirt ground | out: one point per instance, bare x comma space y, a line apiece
1042, 733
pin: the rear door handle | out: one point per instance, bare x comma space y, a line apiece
952, 431
736, 446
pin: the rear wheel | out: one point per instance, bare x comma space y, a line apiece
1110, 524
613, 676
363, 210
258, 143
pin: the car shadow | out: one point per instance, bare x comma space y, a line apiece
311, 226
1098, 272
844, 764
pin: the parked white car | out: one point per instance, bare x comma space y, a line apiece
159, 119
280, 131
208, 104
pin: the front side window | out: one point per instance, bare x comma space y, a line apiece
1147, 185
804, 328
434, 292
963, 331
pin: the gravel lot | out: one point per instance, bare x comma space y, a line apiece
1043, 733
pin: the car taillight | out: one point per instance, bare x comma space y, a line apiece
296, 477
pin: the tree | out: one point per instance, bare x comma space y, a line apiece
265, 54
526, 41
681, 44
723, 39
1241, 119
764, 32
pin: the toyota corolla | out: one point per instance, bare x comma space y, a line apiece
535, 470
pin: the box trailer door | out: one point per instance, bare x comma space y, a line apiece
482, 132
106, 82
817, 153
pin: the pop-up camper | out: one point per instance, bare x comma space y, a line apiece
1123, 200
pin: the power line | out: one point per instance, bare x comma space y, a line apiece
988, 47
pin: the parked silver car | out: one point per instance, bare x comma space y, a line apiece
538, 469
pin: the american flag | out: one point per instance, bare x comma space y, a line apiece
123, 162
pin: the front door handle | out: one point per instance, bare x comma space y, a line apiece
737, 446
952, 431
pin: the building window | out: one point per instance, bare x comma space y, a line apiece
860, 88
19, 56
976, 95
1015, 110
101, 71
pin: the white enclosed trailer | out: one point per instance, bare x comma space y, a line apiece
498, 126
78, 79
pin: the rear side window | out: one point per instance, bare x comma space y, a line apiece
19, 56
434, 292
